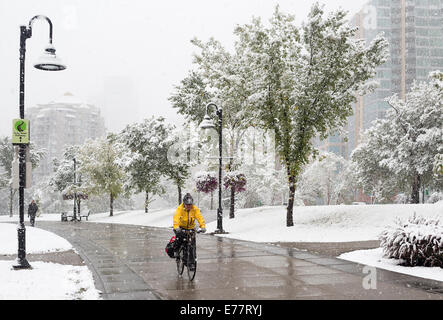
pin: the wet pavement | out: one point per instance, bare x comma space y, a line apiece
129, 262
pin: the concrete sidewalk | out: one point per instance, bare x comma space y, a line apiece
331, 249
129, 262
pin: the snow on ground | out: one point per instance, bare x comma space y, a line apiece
155, 218
45, 281
320, 223
37, 240
340, 223
374, 258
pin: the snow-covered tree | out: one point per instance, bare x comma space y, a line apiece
62, 180
236, 182
181, 156
305, 80
266, 180
6, 157
326, 177
223, 77
398, 152
63, 176
438, 165
103, 166
148, 143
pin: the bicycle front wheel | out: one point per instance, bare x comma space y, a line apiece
179, 260
192, 261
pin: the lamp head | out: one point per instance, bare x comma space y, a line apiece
48, 61
207, 123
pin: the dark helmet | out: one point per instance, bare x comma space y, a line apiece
187, 199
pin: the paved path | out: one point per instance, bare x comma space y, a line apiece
331, 249
129, 262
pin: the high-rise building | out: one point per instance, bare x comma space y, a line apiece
414, 30
61, 123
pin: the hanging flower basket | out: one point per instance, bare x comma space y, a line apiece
206, 182
236, 180
70, 196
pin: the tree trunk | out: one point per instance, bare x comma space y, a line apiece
289, 212
212, 200
111, 205
232, 207
146, 202
179, 194
415, 195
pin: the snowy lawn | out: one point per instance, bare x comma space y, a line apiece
37, 240
374, 258
320, 223
155, 218
340, 223
45, 281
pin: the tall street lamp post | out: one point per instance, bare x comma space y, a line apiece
47, 62
207, 123
74, 218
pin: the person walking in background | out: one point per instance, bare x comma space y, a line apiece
32, 211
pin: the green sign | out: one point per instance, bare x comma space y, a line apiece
20, 131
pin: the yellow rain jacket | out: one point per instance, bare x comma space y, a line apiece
186, 220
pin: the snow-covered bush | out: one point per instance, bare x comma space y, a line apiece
435, 197
418, 241
401, 198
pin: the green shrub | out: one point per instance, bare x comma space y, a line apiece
416, 242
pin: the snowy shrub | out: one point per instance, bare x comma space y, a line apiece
416, 242
435, 197
401, 198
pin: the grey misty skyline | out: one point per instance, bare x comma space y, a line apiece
123, 56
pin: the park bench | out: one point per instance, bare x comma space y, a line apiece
65, 215
85, 215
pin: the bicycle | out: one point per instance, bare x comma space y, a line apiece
187, 254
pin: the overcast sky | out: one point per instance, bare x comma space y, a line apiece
123, 56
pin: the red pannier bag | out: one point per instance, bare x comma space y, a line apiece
170, 247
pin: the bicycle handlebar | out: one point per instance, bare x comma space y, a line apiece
192, 230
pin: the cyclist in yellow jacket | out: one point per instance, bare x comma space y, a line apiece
184, 218
186, 214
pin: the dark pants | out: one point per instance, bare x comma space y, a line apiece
32, 219
180, 240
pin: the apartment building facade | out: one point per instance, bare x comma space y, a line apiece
61, 123
414, 30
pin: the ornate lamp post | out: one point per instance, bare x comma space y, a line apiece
47, 62
74, 218
207, 123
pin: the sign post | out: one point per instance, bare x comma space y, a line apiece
20, 131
